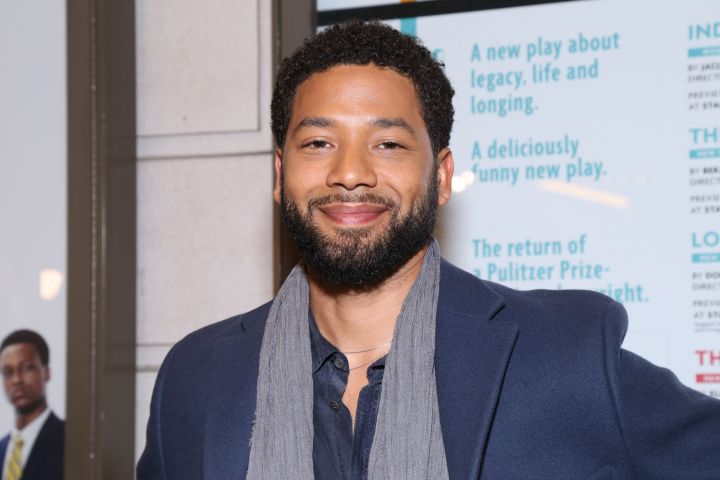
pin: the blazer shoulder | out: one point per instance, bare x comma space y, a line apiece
184, 372
54, 425
201, 342
54, 421
564, 313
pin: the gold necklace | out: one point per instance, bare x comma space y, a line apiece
386, 342
368, 363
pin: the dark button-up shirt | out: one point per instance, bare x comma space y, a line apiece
337, 452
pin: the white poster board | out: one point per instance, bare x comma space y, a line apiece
33, 184
587, 150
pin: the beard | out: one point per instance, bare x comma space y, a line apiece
31, 407
360, 258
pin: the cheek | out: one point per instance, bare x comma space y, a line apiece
303, 183
409, 183
37, 383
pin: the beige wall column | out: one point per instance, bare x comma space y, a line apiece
204, 178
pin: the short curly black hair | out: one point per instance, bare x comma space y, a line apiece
31, 337
366, 43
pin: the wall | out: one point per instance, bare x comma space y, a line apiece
205, 211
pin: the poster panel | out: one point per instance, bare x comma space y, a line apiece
33, 164
587, 156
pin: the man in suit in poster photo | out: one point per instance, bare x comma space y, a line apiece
34, 448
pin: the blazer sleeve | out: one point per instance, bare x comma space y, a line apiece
670, 431
151, 464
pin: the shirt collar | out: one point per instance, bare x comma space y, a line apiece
321, 349
32, 429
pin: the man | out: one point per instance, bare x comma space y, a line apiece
379, 360
33, 450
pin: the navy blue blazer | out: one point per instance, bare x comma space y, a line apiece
531, 385
48, 453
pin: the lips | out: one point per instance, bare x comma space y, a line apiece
17, 395
353, 214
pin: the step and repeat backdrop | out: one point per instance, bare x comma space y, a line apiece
587, 156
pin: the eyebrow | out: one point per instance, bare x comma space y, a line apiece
380, 123
320, 122
396, 122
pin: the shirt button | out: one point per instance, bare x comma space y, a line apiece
339, 364
334, 405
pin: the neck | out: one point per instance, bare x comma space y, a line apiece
353, 320
26, 415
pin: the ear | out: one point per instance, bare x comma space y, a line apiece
47, 373
445, 169
278, 175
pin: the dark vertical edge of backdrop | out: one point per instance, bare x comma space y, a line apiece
100, 425
80, 342
293, 22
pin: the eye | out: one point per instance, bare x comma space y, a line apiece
29, 367
316, 144
390, 145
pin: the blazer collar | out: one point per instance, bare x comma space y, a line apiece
471, 355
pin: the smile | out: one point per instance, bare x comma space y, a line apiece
353, 214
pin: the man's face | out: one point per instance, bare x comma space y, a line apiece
357, 180
24, 376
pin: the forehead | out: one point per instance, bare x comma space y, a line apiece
18, 352
357, 90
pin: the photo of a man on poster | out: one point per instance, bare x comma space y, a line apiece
33, 449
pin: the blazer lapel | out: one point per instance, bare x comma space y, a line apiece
4, 442
3, 445
471, 356
231, 404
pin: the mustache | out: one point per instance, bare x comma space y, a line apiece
363, 197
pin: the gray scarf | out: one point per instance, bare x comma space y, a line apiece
408, 441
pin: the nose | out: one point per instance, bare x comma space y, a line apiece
352, 168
